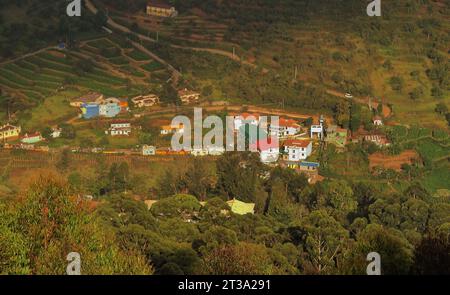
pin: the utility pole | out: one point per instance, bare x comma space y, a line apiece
295, 73
234, 51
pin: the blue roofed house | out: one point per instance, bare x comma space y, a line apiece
310, 169
109, 110
309, 166
90, 110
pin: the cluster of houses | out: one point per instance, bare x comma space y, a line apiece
296, 143
9, 132
94, 105
186, 96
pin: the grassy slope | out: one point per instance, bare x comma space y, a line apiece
310, 41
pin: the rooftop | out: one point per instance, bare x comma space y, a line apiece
288, 123
240, 207
297, 143
8, 127
309, 164
89, 97
186, 91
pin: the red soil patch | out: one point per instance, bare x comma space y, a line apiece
392, 162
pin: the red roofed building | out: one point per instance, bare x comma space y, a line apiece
297, 149
245, 118
284, 128
32, 138
269, 150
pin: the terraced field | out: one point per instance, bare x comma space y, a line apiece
118, 70
128, 61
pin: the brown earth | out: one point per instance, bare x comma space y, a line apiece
392, 162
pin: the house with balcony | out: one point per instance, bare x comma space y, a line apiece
285, 128
142, 101
119, 129
8, 132
297, 149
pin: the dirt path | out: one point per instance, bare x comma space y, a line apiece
387, 112
26, 55
217, 52
233, 108
175, 73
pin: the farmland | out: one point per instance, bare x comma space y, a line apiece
350, 57
44, 83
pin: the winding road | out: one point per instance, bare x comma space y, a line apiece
175, 73
124, 29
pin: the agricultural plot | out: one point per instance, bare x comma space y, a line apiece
432, 151
438, 178
152, 66
138, 55
44, 74
118, 52
392, 162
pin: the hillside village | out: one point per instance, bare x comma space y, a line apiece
298, 141
358, 160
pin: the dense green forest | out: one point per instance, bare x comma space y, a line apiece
326, 228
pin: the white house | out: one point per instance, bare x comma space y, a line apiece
318, 130
148, 150
215, 150
199, 152
297, 150
170, 129
269, 151
145, 101
245, 118
284, 128
119, 128
56, 132
377, 121
187, 96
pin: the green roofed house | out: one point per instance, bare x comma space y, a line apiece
240, 207
337, 136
